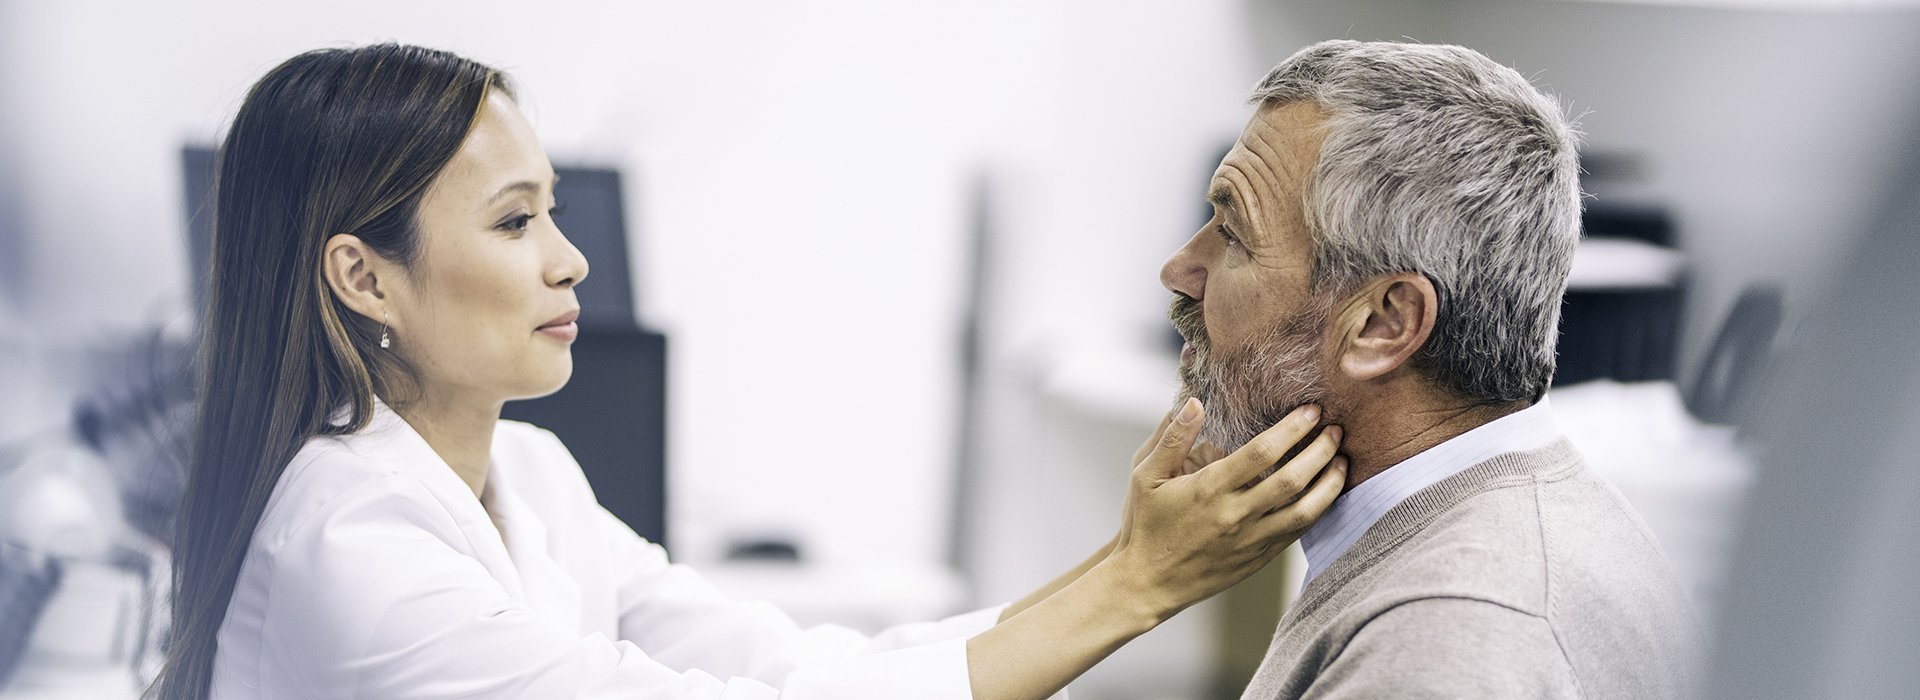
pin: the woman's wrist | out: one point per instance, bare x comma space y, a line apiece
1036, 653
1124, 592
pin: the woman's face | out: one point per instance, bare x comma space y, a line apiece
486, 311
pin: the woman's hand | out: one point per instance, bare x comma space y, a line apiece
1201, 454
1188, 533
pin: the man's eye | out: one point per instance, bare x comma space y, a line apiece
1227, 236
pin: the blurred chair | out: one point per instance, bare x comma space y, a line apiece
1732, 368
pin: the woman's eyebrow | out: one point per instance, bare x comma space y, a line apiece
520, 186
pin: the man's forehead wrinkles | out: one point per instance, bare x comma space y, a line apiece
1270, 159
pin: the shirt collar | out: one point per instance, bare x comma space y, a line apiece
509, 537
389, 439
1358, 509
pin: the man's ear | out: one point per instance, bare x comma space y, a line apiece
1385, 323
352, 271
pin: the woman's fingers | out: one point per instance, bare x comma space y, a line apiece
1286, 484
1170, 451
1202, 454
1189, 538
1260, 453
1288, 521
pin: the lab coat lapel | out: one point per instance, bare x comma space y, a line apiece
550, 590
389, 438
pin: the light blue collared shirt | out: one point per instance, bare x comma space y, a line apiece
1357, 510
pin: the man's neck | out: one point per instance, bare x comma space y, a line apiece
1394, 425
461, 432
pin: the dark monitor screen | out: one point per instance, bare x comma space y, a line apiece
594, 219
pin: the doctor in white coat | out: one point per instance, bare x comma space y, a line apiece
360, 523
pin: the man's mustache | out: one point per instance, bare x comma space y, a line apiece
1189, 320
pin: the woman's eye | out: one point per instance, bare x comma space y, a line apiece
517, 223
556, 210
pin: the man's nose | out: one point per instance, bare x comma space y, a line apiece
1183, 273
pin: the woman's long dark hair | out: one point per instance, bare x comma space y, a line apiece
331, 141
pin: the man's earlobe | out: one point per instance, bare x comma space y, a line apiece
1391, 319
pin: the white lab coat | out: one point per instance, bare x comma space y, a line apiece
374, 572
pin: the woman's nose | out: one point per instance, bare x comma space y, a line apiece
570, 266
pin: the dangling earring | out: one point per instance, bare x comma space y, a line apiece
384, 340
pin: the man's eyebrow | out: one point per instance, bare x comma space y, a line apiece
1222, 198
521, 186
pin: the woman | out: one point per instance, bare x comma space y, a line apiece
359, 522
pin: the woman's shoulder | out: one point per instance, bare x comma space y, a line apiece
330, 474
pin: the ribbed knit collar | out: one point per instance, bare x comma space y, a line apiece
1419, 510
1358, 509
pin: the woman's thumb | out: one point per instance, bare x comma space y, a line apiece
1169, 454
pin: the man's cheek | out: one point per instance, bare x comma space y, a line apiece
1216, 318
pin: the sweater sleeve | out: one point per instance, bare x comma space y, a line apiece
1449, 648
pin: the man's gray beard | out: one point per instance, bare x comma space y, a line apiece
1248, 391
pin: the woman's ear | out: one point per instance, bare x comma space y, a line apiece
1387, 322
352, 271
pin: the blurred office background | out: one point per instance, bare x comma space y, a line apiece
880, 321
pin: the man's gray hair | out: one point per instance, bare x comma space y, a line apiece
1439, 161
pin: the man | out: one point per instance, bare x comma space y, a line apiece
1391, 237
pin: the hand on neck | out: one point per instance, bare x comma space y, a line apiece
458, 429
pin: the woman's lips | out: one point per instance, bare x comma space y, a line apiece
565, 331
563, 328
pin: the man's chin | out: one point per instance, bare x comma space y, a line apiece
1237, 411
1230, 428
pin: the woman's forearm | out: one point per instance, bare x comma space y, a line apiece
1036, 652
1055, 585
